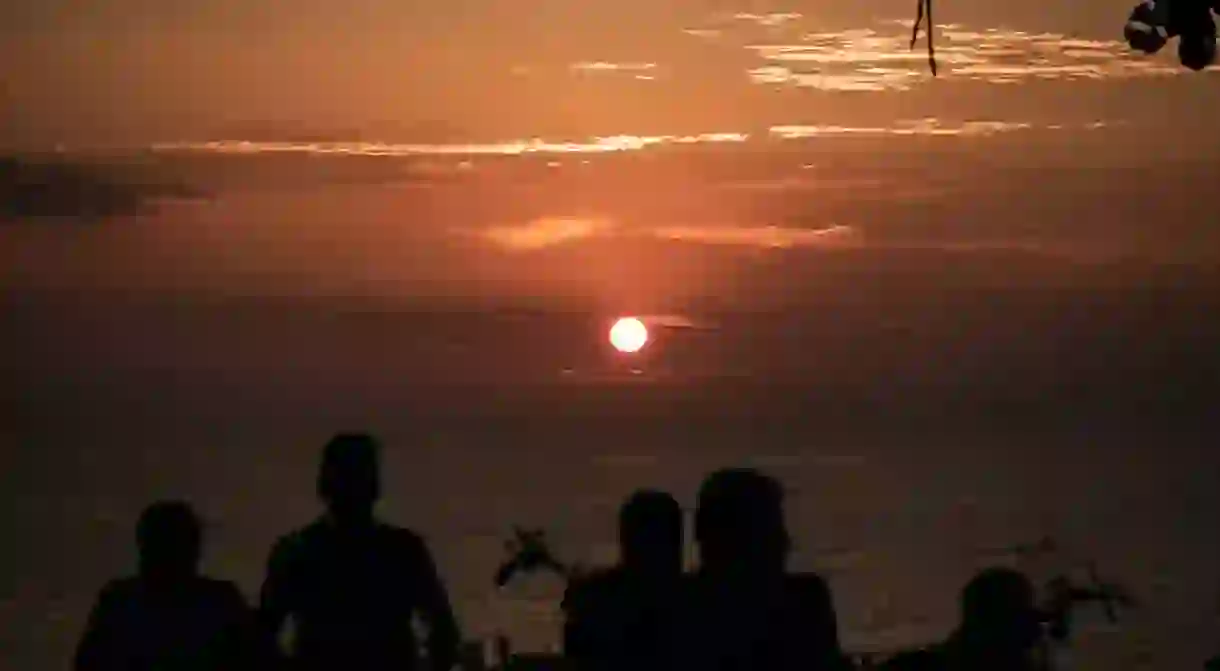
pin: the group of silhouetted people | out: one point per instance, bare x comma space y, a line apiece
740, 610
353, 588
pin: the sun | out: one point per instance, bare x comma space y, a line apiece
628, 335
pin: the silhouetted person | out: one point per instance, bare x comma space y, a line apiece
168, 617
1000, 623
352, 584
624, 617
743, 610
999, 629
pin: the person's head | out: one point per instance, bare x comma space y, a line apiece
739, 521
169, 537
348, 479
1197, 51
650, 532
998, 613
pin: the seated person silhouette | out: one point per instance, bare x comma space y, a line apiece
622, 617
1000, 629
168, 617
742, 610
353, 585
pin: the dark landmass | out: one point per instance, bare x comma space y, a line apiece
38, 187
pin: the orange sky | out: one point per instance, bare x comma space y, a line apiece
139, 71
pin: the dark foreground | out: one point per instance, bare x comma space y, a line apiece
921, 436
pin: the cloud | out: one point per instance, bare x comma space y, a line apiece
619, 143
790, 51
915, 127
641, 71
555, 231
775, 237
670, 321
546, 232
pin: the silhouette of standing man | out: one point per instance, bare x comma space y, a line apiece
168, 617
353, 584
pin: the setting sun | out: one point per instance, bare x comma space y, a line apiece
628, 335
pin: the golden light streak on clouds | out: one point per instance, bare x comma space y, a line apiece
772, 237
919, 127
789, 50
624, 143
603, 66
555, 231
596, 145
546, 232
769, 20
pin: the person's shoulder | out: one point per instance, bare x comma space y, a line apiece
220, 590
808, 598
806, 579
402, 539
298, 540
602, 578
119, 590
806, 585
218, 598
592, 585
398, 533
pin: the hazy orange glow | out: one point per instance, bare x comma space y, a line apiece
628, 335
